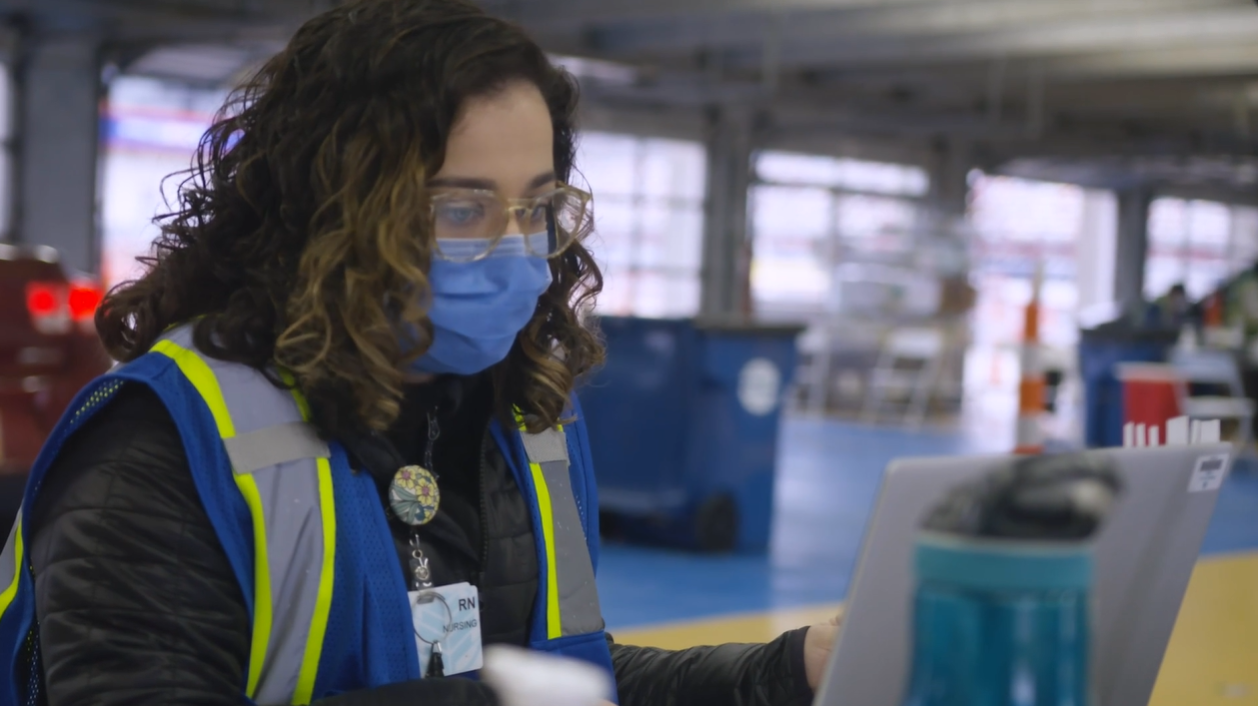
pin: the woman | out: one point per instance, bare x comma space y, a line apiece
347, 405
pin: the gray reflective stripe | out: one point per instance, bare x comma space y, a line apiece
8, 557
277, 448
275, 445
579, 608
550, 445
254, 403
290, 501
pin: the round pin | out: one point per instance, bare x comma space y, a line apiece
413, 495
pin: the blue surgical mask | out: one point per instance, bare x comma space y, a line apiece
479, 307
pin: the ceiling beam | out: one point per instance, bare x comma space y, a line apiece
1164, 117
945, 100
204, 32
925, 86
1185, 28
132, 19
1013, 140
1094, 148
673, 36
573, 13
1201, 59
1187, 176
1188, 98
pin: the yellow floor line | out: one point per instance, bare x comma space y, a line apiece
1212, 659
1213, 655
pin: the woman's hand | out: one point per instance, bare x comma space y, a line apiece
818, 644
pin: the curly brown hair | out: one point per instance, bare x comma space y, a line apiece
302, 238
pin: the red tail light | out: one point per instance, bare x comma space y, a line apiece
43, 300
54, 306
84, 299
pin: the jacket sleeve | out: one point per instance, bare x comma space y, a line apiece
136, 600
769, 674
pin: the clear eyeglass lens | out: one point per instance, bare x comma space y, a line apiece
535, 217
570, 220
472, 224
469, 217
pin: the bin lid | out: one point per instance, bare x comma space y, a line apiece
1146, 372
751, 326
1125, 334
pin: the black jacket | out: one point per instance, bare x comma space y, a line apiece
137, 603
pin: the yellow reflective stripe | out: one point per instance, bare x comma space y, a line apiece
10, 592
303, 407
554, 629
202, 378
206, 383
262, 616
554, 624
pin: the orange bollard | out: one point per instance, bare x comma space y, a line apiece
1030, 434
1213, 315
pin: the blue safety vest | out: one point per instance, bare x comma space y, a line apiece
308, 539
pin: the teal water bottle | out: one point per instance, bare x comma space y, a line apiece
1000, 624
1004, 571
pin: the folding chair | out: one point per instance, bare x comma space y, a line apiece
923, 350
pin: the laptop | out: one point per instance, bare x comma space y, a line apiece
1145, 554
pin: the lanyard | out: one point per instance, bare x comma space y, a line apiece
420, 569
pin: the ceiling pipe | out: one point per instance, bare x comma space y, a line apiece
771, 70
995, 89
1240, 115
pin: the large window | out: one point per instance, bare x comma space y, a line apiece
1021, 224
648, 196
1197, 243
151, 130
812, 216
648, 210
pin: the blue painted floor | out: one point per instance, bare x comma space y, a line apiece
828, 477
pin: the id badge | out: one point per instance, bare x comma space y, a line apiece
450, 616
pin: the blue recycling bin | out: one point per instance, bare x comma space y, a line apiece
1100, 352
683, 423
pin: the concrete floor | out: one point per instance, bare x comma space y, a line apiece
828, 476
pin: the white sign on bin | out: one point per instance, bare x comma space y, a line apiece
759, 386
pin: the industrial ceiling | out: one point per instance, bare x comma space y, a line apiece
1104, 91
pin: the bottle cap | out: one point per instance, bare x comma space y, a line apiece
1062, 498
